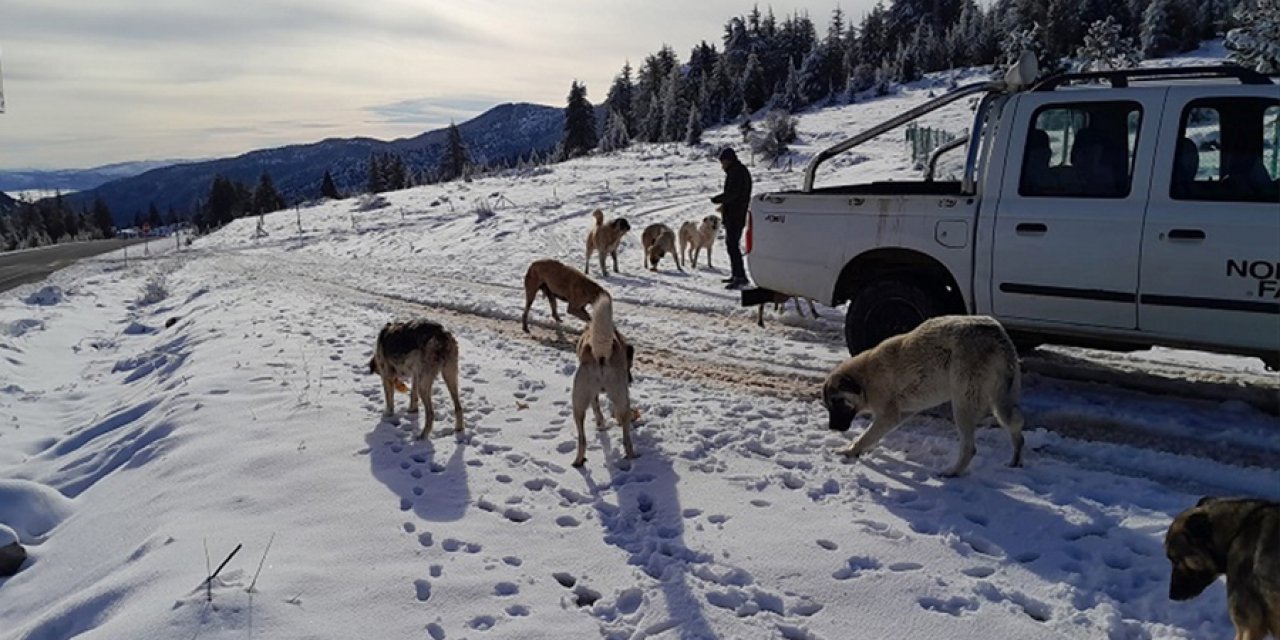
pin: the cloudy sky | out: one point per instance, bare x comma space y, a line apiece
91, 82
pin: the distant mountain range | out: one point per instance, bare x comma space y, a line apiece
504, 133
75, 179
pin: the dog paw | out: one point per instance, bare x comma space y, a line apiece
578, 463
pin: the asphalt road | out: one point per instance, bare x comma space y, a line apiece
21, 267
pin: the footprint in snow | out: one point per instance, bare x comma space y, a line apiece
423, 588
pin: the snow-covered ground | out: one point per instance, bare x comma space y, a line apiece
156, 413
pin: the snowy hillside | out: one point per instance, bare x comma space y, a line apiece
157, 406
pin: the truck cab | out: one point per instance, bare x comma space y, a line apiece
1121, 209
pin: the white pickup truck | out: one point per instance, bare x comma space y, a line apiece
1116, 209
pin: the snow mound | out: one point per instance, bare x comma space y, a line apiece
18, 328
46, 296
7, 536
31, 509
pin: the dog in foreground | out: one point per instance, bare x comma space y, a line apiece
420, 350
1236, 537
658, 241
559, 281
604, 239
967, 360
696, 236
604, 366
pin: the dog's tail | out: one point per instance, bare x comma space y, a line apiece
373, 365
602, 327
599, 216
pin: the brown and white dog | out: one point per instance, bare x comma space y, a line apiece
658, 240
696, 236
604, 366
604, 239
559, 281
421, 350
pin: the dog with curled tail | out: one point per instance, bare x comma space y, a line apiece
604, 366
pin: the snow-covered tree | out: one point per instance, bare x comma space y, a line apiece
754, 90
779, 132
1105, 48
1062, 27
1256, 42
1158, 38
675, 106
615, 135
620, 97
717, 93
579, 123
693, 128
791, 99
1025, 40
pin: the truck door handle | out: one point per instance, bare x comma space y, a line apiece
1032, 228
1186, 234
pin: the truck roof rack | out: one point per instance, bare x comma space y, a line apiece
1121, 78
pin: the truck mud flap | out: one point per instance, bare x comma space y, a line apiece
756, 297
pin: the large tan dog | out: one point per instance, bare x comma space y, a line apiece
1237, 537
969, 361
659, 240
604, 366
696, 236
421, 350
605, 238
559, 281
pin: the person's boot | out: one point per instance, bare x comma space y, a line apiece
738, 284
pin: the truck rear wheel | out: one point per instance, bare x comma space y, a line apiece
886, 308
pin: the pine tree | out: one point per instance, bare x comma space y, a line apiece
693, 128
716, 94
1158, 38
791, 98
377, 176
675, 107
265, 198
873, 44
227, 200
102, 218
1062, 27
620, 97
579, 124
1104, 49
153, 217
455, 160
328, 189
1255, 43
615, 136
754, 90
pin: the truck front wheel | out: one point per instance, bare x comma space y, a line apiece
886, 308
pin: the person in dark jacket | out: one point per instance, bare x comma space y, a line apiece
733, 207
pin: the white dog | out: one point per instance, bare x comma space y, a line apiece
969, 361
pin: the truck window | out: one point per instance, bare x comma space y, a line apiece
1228, 150
1081, 150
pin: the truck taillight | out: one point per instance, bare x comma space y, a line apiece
749, 231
